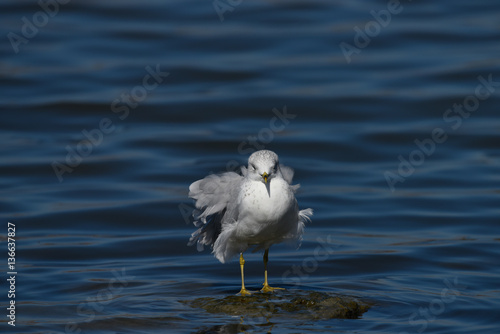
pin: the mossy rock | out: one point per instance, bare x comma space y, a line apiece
298, 304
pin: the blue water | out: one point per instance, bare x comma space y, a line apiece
111, 109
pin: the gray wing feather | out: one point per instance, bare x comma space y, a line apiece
287, 173
213, 196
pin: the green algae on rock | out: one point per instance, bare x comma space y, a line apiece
298, 304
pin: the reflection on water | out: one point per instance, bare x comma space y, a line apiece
99, 146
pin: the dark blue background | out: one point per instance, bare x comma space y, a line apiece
103, 247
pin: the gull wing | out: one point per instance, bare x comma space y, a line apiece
287, 173
214, 196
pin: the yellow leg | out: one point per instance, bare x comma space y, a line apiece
266, 287
243, 291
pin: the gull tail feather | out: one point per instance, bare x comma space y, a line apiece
305, 215
226, 247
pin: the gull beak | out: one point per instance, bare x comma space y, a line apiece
265, 176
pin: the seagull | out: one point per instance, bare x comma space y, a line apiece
254, 209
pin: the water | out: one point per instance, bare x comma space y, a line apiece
101, 233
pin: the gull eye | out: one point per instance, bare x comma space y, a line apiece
252, 167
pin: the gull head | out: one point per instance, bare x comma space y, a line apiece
263, 166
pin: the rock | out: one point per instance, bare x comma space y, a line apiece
297, 304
